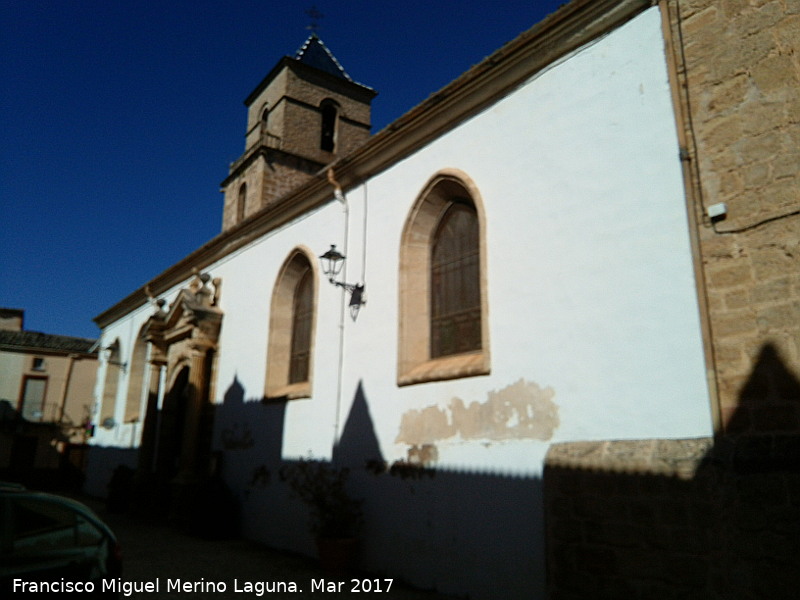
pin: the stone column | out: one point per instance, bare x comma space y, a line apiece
147, 449
198, 381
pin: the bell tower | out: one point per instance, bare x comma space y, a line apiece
304, 114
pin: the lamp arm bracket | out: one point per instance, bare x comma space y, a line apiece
350, 287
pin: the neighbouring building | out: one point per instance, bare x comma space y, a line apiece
579, 257
47, 386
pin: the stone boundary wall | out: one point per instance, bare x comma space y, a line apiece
674, 519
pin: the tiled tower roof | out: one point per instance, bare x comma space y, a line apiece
315, 53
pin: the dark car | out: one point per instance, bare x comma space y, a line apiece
49, 540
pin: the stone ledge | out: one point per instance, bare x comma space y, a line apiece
743, 454
665, 457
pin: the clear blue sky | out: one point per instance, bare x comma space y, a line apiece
118, 120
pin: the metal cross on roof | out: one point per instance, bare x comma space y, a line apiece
315, 17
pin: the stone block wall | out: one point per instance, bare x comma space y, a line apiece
284, 174
674, 519
301, 133
738, 71
269, 176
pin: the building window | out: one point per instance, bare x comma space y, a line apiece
291, 329
265, 119
329, 111
38, 364
32, 406
241, 203
443, 327
455, 283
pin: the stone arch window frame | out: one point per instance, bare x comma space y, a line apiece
415, 363
111, 383
329, 111
241, 202
135, 398
281, 327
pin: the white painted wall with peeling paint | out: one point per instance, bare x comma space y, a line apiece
591, 295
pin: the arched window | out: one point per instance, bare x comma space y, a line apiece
455, 282
329, 112
241, 202
290, 350
265, 119
443, 327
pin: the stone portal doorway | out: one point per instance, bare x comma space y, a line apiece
176, 442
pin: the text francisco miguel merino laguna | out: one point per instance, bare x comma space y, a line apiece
257, 588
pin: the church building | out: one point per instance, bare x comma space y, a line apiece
528, 258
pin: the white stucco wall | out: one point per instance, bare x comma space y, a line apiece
591, 288
591, 294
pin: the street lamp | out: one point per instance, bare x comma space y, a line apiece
332, 263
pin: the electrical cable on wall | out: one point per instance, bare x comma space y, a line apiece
754, 225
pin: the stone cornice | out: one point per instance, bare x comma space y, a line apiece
569, 28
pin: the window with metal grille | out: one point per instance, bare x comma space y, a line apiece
455, 293
302, 312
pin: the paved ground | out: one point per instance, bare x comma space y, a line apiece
160, 553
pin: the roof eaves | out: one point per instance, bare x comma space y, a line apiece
34, 341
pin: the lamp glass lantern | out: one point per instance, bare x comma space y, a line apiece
332, 262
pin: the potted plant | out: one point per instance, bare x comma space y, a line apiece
335, 516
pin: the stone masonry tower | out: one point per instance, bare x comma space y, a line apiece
304, 114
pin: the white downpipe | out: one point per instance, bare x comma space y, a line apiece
339, 195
